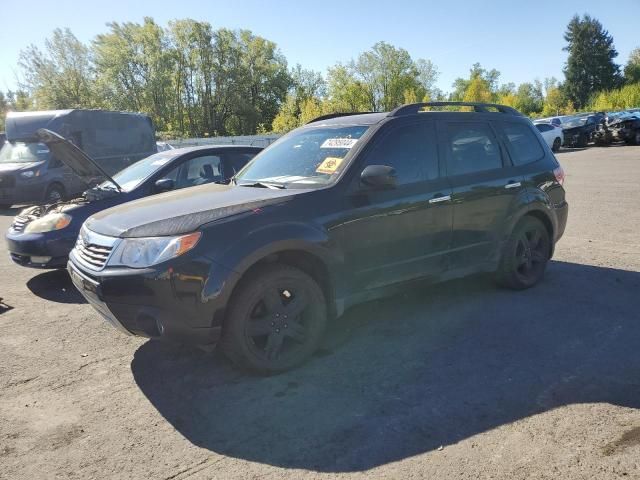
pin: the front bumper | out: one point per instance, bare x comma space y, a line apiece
180, 303
25, 248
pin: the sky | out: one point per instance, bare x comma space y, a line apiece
521, 39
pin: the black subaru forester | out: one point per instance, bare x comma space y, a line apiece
342, 210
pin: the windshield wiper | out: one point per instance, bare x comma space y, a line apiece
274, 186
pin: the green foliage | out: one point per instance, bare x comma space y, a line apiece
61, 76
632, 68
192, 80
617, 99
590, 67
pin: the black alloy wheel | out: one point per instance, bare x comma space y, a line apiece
526, 255
276, 320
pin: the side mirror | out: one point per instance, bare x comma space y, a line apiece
164, 185
378, 177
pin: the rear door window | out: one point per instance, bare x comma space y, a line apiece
522, 143
472, 148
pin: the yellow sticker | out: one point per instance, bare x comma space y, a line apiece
329, 165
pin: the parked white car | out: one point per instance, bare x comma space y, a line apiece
552, 134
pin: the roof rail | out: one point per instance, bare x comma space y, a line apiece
334, 115
477, 107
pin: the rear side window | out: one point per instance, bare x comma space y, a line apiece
472, 148
523, 143
543, 127
411, 150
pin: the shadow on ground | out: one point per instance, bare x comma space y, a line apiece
55, 286
406, 375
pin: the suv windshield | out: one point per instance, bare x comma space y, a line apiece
306, 158
20, 152
133, 175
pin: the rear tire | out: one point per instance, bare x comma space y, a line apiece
556, 145
525, 255
54, 194
276, 320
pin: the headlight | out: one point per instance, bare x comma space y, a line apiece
30, 173
144, 252
49, 223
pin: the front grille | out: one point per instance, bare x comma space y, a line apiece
7, 181
93, 250
94, 255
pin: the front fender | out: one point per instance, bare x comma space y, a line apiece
267, 240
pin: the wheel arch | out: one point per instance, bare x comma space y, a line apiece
55, 183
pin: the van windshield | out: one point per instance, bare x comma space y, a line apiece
306, 158
20, 152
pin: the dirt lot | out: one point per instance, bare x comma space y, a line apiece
461, 380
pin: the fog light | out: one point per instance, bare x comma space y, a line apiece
40, 259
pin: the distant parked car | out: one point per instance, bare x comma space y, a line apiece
552, 134
626, 127
579, 131
29, 173
43, 236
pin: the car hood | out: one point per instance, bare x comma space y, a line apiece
183, 211
18, 166
82, 165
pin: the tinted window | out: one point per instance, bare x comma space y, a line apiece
472, 148
525, 147
235, 162
200, 170
543, 127
411, 150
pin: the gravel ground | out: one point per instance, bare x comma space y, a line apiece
461, 380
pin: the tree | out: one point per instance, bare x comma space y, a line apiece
478, 90
134, 65
61, 76
478, 76
345, 92
529, 98
553, 102
632, 68
590, 65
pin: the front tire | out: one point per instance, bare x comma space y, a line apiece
54, 194
525, 256
276, 320
556, 145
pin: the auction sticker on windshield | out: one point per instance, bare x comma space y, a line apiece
339, 143
329, 165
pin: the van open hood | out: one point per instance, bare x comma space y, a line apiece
82, 165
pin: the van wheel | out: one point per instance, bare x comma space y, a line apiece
556, 145
275, 321
525, 255
55, 194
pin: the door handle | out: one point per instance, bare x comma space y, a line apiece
443, 198
513, 185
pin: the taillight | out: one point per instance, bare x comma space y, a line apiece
559, 173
